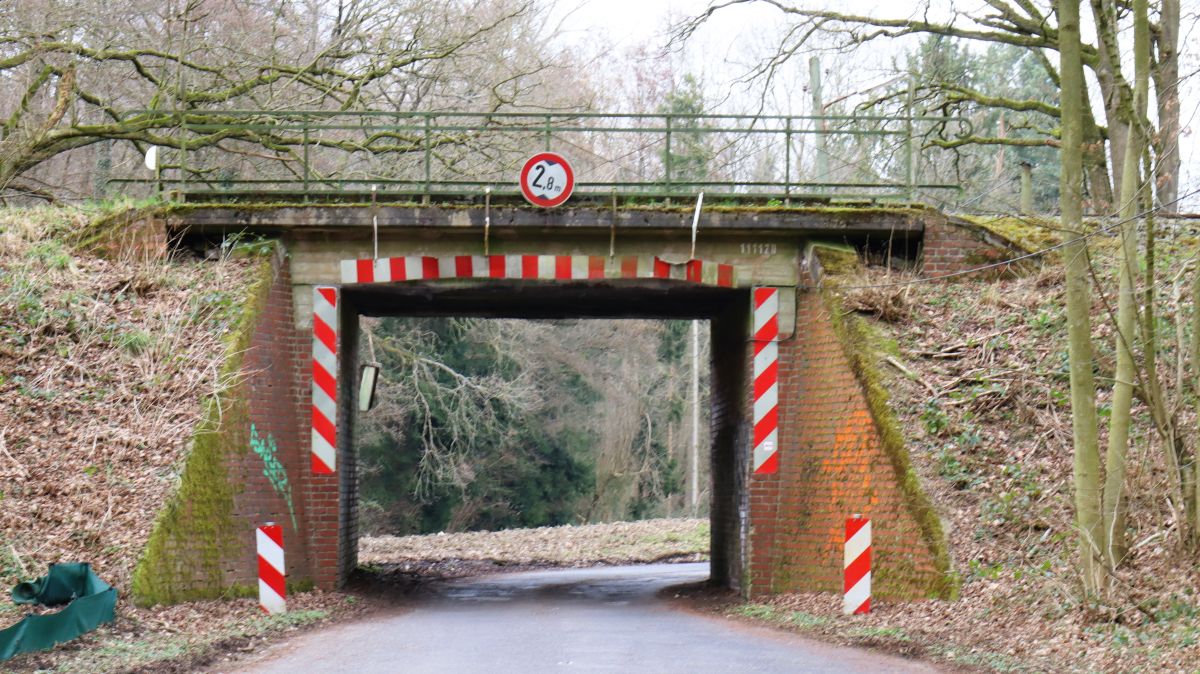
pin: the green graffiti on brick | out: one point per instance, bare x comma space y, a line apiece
273, 470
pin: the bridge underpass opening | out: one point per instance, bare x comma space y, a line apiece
493, 424
724, 310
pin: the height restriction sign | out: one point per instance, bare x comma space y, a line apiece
547, 180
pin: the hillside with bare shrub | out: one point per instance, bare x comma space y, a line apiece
977, 373
104, 364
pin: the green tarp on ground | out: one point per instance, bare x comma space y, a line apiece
91, 602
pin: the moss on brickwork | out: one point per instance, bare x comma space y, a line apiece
861, 351
110, 226
196, 532
835, 258
243, 591
1027, 233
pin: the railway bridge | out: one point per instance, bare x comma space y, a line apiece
799, 433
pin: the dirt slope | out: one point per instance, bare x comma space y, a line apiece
103, 367
977, 373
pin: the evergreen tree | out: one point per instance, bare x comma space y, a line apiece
690, 153
948, 78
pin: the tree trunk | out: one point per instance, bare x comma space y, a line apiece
1195, 352
1166, 90
1117, 99
1122, 395
1118, 137
1095, 162
1079, 330
1154, 390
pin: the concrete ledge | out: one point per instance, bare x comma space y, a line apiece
847, 220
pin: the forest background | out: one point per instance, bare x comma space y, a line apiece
93, 86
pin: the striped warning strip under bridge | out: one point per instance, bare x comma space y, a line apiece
324, 372
428, 268
533, 268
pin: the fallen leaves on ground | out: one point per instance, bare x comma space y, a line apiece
980, 388
196, 636
104, 365
614, 543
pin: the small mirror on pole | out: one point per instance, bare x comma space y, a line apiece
368, 379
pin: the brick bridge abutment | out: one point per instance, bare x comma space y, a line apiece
836, 449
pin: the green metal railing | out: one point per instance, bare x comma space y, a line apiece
332, 155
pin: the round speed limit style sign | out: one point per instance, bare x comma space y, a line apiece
547, 180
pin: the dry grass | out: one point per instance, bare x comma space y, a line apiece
888, 304
103, 367
987, 417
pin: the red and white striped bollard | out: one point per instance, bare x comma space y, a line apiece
272, 574
856, 564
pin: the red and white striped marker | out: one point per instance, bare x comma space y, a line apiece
324, 388
766, 381
857, 566
533, 268
272, 574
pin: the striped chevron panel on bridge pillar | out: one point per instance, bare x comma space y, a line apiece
324, 388
766, 380
533, 268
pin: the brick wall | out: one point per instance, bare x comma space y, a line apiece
321, 501
271, 474
730, 433
272, 458
833, 463
246, 461
321, 494
347, 514
324, 550
950, 246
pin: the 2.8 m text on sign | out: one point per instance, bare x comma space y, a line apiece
547, 180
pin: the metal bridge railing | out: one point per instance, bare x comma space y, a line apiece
334, 155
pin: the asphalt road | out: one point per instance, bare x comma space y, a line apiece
573, 620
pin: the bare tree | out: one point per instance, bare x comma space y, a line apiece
455, 411
1115, 547
1027, 25
1079, 305
475, 394
137, 72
